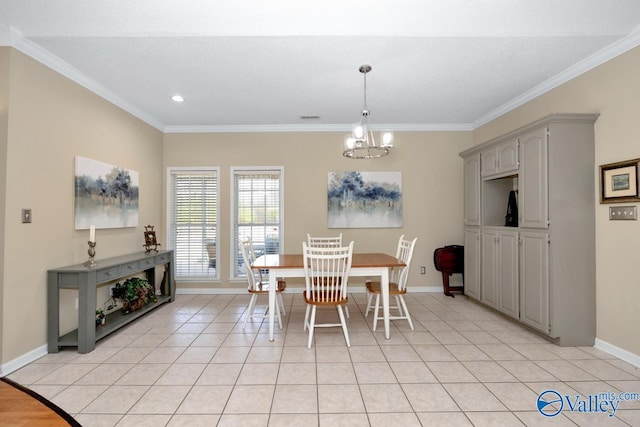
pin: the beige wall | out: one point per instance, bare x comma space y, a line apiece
4, 108
431, 185
52, 120
613, 90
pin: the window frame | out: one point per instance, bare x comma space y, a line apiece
233, 247
170, 197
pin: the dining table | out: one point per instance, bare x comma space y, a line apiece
281, 266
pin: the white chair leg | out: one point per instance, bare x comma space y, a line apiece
344, 325
312, 325
278, 315
346, 310
404, 306
250, 308
369, 299
375, 312
306, 317
282, 309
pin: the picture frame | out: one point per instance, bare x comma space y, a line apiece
619, 182
150, 240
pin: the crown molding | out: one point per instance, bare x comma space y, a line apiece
598, 58
315, 128
19, 42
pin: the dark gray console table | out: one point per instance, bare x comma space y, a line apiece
86, 281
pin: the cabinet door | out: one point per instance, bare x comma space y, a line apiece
534, 279
472, 190
533, 180
507, 268
472, 262
507, 154
489, 278
489, 162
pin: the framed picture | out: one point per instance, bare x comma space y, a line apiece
105, 195
364, 200
150, 238
619, 182
150, 241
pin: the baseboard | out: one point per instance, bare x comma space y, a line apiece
25, 359
239, 291
618, 352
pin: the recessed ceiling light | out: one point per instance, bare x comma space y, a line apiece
177, 98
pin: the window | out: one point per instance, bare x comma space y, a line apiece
193, 221
257, 212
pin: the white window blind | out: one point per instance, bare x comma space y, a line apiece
257, 212
193, 223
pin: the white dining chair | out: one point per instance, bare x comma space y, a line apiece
253, 254
327, 242
324, 242
397, 285
256, 286
326, 284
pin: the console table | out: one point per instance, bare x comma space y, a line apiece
86, 281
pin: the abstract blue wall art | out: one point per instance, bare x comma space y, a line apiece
105, 195
364, 200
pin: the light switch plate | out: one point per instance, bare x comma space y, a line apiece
617, 213
26, 216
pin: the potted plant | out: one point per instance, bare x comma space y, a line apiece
100, 317
134, 293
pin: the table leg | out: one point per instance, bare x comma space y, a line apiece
273, 285
384, 284
86, 318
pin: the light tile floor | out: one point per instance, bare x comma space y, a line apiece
189, 363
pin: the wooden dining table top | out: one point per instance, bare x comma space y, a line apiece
358, 260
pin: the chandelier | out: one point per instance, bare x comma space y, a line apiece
361, 143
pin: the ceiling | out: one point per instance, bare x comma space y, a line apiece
261, 65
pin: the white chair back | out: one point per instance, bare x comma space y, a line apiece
324, 242
246, 248
327, 272
404, 254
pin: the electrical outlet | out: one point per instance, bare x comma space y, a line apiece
423, 270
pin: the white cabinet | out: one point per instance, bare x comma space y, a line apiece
500, 159
543, 271
488, 268
534, 280
472, 262
500, 270
472, 190
508, 283
533, 206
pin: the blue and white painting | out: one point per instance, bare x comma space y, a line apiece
106, 196
364, 200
